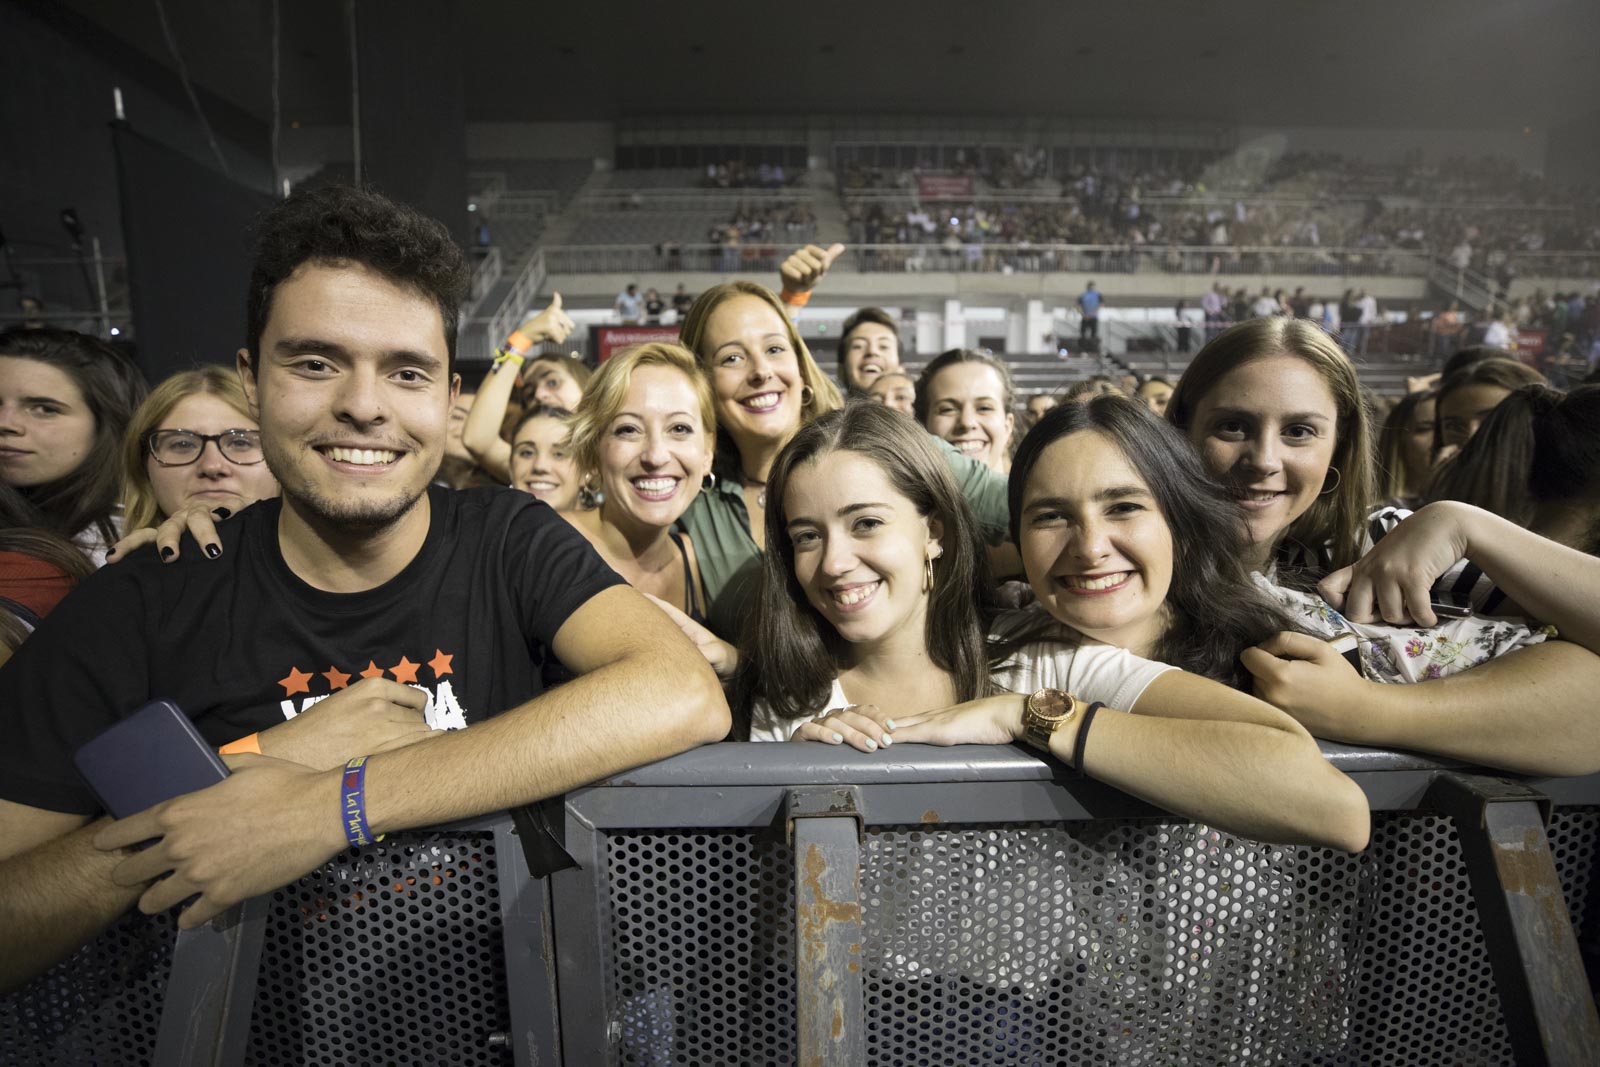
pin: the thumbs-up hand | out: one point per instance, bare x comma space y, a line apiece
551, 324
805, 268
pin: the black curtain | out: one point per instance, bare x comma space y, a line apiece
188, 232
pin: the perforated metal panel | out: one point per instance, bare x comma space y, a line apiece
102, 1005
1130, 942
1574, 845
702, 949
388, 955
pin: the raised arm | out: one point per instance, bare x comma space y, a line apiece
1531, 711
1194, 747
1549, 581
481, 434
801, 272
643, 693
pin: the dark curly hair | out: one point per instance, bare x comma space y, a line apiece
346, 224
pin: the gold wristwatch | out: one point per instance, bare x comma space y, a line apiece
1045, 712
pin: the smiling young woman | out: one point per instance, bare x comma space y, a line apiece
966, 398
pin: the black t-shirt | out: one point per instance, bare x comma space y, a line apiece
240, 643
681, 303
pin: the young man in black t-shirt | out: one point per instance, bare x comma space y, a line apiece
344, 619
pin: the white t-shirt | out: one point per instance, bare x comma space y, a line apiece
1060, 659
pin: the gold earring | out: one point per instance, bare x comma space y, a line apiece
1335, 472
927, 574
806, 396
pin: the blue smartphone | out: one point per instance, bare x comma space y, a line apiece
153, 755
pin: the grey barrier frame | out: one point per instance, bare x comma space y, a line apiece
556, 963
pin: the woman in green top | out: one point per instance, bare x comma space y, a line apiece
767, 386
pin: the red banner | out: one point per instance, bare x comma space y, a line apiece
944, 186
1530, 343
605, 341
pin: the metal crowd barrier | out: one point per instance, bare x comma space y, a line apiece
778, 904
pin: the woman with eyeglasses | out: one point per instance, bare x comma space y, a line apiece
193, 442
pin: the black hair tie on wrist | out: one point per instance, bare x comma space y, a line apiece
1083, 736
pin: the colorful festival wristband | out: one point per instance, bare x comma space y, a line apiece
794, 299
502, 356
353, 806
519, 341
252, 743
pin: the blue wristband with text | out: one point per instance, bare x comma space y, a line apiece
353, 808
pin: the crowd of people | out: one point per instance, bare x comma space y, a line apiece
1155, 582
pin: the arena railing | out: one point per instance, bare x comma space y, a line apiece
803, 903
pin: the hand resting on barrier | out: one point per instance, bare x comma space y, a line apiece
861, 726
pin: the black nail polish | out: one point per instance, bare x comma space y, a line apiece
221, 513
213, 551
166, 553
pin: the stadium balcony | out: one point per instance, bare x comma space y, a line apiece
749, 904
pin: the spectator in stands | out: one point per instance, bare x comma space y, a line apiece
193, 441
554, 380
1467, 396
1089, 388
653, 307
65, 402
869, 346
1154, 393
629, 306
895, 389
541, 460
1089, 302
1444, 330
1265, 304
1535, 460
681, 301
966, 398
646, 431
1498, 331
1038, 404
353, 312
767, 386
32, 309
871, 628
1214, 305
1184, 328
1405, 450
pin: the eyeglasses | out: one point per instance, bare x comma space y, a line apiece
181, 448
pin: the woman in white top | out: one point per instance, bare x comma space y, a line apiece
869, 623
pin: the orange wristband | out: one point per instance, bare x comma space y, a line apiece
251, 743
519, 342
795, 300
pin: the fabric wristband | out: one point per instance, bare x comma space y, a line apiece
795, 300
502, 356
353, 805
519, 341
1083, 736
252, 743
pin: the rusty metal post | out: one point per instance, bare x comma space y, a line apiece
1526, 927
824, 828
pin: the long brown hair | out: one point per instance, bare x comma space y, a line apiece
790, 653
1331, 528
1395, 476
824, 393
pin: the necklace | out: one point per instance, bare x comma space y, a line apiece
761, 497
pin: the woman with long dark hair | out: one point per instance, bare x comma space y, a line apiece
65, 402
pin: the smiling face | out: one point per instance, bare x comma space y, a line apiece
872, 349
46, 427
353, 394
553, 385
656, 449
896, 391
212, 479
1464, 409
1267, 430
755, 371
541, 465
1095, 548
967, 407
860, 548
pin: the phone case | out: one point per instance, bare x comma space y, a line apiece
153, 755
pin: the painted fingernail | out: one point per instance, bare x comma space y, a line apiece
837, 738
872, 745
166, 553
887, 740
889, 723
213, 551
221, 513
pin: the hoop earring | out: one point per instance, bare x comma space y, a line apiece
1335, 485
709, 482
806, 396
927, 574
